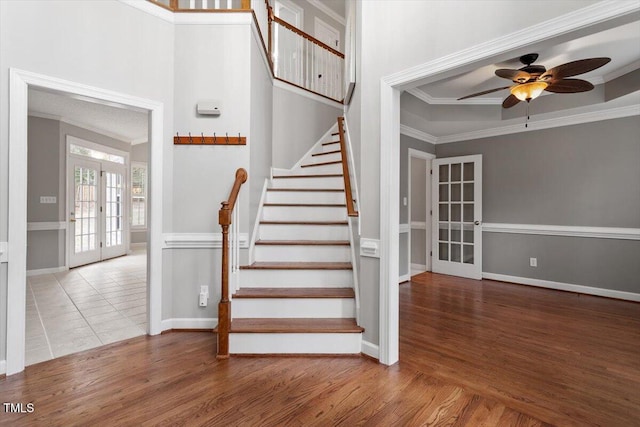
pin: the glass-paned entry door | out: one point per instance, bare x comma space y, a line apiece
114, 203
97, 211
457, 216
84, 220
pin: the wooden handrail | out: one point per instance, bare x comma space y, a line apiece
351, 211
224, 307
306, 36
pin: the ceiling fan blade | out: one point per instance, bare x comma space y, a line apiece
483, 92
510, 101
569, 86
517, 76
573, 68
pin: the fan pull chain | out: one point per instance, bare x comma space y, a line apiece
526, 124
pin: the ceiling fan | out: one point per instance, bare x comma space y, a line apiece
531, 80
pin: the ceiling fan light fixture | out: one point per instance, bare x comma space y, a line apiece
528, 91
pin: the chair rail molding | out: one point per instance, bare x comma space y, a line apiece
564, 230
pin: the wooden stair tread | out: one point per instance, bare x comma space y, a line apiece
311, 165
315, 190
304, 222
315, 205
295, 325
294, 293
303, 242
326, 175
332, 142
298, 266
325, 153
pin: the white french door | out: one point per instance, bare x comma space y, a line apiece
97, 211
457, 216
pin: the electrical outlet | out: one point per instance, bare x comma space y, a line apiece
48, 199
533, 262
204, 296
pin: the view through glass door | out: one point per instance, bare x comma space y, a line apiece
98, 206
457, 216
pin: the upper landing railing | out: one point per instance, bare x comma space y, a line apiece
295, 57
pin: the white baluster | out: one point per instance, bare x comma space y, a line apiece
229, 4
205, 4
192, 4
216, 4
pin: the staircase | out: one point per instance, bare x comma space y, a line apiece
298, 296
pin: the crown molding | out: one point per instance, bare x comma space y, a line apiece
594, 116
90, 128
324, 8
588, 16
418, 134
621, 71
425, 97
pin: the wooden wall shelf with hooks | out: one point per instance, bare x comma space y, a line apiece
209, 140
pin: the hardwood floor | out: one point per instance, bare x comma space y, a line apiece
471, 353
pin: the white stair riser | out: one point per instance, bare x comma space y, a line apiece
332, 168
304, 213
302, 253
333, 157
331, 147
336, 182
275, 343
296, 278
303, 232
330, 197
293, 308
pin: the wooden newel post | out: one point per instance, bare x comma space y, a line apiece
224, 313
224, 307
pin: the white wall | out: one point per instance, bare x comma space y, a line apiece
106, 44
211, 62
298, 123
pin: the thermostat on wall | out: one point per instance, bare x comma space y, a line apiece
209, 108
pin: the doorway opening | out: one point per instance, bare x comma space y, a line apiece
83, 300
21, 83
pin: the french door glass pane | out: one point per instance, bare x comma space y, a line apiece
114, 209
86, 190
456, 212
468, 172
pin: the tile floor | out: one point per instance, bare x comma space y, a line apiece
86, 307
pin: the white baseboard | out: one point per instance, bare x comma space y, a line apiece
370, 349
418, 268
3, 367
46, 271
139, 245
189, 323
404, 278
609, 293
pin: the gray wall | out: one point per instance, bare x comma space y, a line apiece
417, 238
44, 178
581, 175
46, 174
298, 123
